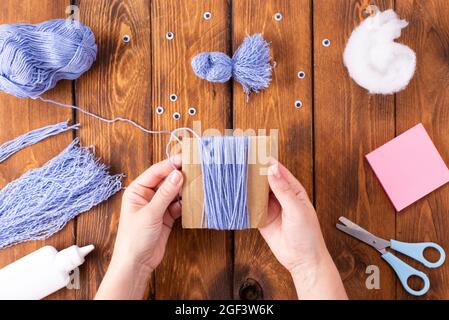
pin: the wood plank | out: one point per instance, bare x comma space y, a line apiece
257, 273
18, 116
349, 123
197, 263
117, 85
426, 100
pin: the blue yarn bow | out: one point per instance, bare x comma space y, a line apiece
34, 57
250, 65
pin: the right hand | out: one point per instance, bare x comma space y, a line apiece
292, 231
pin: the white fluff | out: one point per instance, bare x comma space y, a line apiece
374, 60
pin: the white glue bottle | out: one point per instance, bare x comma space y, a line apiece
40, 273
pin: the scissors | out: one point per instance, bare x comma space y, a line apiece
402, 269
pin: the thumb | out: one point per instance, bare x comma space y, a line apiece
164, 196
282, 189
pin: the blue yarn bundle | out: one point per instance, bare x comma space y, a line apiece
224, 165
250, 65
43, 200
9, 148
34, 57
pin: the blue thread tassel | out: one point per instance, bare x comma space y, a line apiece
250, 65
43, 200
9, 148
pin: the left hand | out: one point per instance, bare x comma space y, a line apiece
149, 209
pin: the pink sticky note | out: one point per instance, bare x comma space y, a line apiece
409, 167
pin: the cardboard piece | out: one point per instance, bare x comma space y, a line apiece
409, 167
258, 188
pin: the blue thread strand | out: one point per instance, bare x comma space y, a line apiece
34, 57
11, 147
224, 165
250, 65
106, 120
43, 200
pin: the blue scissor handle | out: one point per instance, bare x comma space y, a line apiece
416, 251
404, 271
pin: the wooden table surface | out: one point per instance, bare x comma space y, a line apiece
323, 143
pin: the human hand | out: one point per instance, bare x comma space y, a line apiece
149, 209
294, 236
292, 231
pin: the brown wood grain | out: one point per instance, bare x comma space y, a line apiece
117, 85
257, 272
18, 116
198, 263
426, 100
349, 123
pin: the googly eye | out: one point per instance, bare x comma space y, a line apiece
301, 74
326, 42
173, 97
192, 111
207, 15
160, 110
176, 116
278, 16
298, 104
170, 35
126, 38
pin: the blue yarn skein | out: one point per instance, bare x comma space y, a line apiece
34, 57
250, 65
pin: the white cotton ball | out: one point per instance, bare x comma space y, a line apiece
374, 60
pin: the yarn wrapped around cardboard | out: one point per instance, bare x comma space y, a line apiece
260, 151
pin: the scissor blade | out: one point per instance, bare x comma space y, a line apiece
361, 234
350, 224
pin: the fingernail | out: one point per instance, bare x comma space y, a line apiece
175, 177
273, 161
274, 171
177, 160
